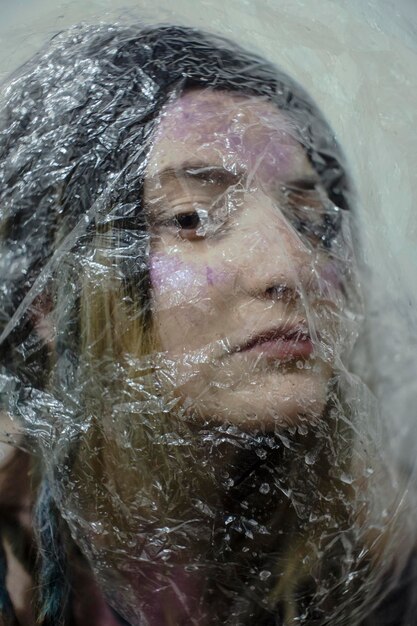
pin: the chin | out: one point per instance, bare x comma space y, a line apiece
270, 401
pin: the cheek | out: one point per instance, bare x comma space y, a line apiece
328, 281
175, 282
186, 299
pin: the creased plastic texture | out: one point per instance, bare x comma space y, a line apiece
179, 303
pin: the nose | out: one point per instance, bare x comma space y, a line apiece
275, 263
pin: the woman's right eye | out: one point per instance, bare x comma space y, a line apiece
183, 220
196, 219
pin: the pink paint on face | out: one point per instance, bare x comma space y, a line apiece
330, 277
169, 274
182, 281
216, 277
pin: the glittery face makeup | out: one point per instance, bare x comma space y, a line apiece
184, 282
241, 247
169, 273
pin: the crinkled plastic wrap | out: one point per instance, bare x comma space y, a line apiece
179, 303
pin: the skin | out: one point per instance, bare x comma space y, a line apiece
225, 161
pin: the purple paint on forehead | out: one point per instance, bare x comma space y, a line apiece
182, 116
244, 133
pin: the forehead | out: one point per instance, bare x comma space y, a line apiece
227, 130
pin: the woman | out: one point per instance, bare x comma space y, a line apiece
179, 302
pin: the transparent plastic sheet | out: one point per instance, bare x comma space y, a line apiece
180, 300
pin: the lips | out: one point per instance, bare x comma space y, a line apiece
280, 343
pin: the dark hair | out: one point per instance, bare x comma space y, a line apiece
75, 121
73, 130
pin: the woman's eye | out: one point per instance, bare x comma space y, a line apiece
191, 225
197, 213
311, 213
188, 221
204, 221
319, 232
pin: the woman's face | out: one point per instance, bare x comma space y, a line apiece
246, 298
246, 289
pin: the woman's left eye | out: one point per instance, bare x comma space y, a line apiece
312, 215
319, 232
189, 225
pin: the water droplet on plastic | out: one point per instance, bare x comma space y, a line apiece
302, 429
310, 458
97, 528
191, 568
346, 478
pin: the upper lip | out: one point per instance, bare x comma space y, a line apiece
295, 332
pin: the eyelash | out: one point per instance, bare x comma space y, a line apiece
186, 224
322, 234
301, 208
299, 205
177, 218
188, 221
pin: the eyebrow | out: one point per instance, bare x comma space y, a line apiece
202, 171
192, 170
304, 183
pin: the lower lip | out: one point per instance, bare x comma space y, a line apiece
283, 349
